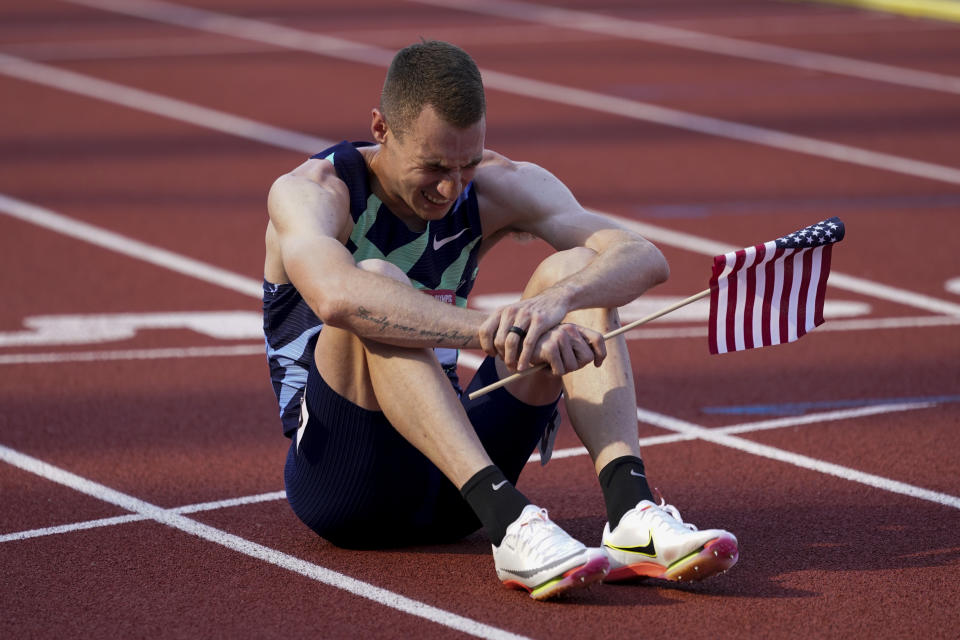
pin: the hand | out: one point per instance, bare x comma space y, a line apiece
568, 347
515, 333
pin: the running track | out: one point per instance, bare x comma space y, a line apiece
141, 473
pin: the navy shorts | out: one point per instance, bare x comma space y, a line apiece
358, 483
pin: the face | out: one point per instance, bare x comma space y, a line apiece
423, 172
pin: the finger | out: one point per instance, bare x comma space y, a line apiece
583, 352
505, 321
569, 358
488, 331
529, 345
513, 346
597, 344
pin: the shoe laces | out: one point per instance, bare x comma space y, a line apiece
542, 538
670, 517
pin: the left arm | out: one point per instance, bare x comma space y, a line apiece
523, 197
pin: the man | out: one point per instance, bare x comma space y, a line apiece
371, 252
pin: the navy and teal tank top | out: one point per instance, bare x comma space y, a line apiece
441, 260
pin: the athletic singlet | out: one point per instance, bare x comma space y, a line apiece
441, 260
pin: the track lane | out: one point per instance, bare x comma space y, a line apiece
800, 574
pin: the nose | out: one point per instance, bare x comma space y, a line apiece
451, 185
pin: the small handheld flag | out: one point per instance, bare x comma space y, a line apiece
760, 296
771, 293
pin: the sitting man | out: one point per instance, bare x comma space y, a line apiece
371, 252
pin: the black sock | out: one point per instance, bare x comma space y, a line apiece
496, 502
624, 484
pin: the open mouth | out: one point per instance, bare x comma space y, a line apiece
440, 202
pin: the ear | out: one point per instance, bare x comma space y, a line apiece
379, 127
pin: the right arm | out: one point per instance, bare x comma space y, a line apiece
309, 226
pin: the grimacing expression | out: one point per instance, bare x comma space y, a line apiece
433, 161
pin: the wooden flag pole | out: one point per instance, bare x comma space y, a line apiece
616, 332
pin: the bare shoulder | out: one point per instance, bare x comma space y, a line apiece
506, 190
310, 194
305, 206
524, 197
313, 175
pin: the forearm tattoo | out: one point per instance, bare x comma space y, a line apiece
383, 323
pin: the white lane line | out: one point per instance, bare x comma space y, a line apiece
824, 416
558, 454
684, 430
134, 354
288, 139
252, 549
741, 444
128, 246
68, 528
684, 38
245, 287
646, 333
109, 522
760, 425
591, 100
157, 104
297, 39
293, 140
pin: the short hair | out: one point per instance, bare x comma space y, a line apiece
433, 73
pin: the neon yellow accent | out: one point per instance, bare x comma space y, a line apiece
545, 586
935, 9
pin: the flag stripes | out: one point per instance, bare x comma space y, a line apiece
771, 293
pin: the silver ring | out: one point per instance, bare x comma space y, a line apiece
517, 330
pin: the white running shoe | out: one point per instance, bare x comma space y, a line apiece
540, 557
654, 541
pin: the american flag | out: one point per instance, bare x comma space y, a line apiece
773, 292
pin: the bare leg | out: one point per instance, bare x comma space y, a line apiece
601, 402
409, 386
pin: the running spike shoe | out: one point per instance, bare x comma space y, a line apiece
538, 556
653, 541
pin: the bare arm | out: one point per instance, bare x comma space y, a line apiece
309, 224
524, 197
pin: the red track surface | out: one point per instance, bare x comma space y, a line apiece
821, 555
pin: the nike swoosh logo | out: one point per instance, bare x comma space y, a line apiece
638, 475
647, 550
437, 244
496, 487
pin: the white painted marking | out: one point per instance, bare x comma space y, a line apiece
684, 430
795, 459
109, 522
178, 110
158, 104
68, 528
366, 54
645, 333
134, 354
761, 425
252, 549
571, 452
94, 328
128, 246
824, 416
684, 38
953, 285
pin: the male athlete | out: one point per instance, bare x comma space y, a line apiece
371, 252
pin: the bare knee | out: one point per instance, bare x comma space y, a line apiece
556, 267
